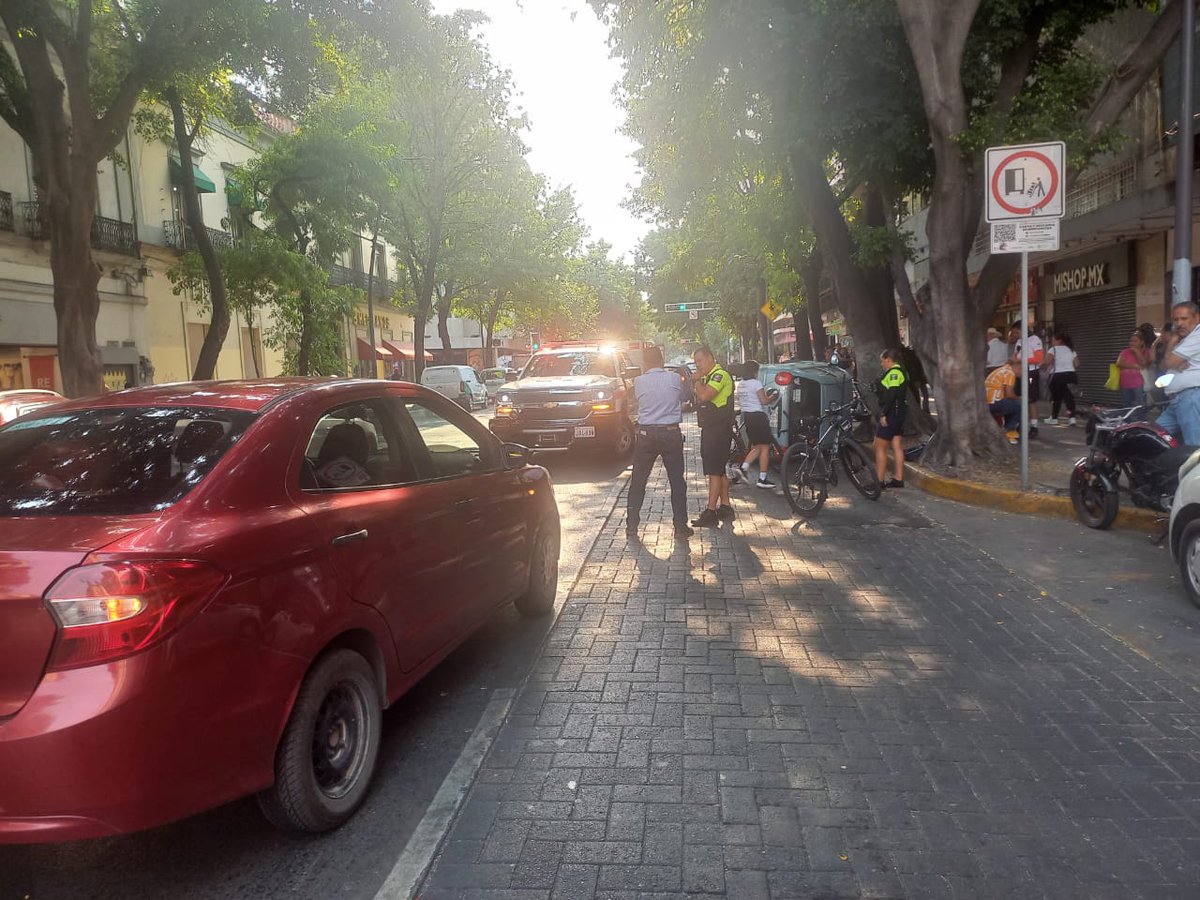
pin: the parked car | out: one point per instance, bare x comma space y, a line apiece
19, 402
213, 590
494, 379
570, 396
1183, 530
460, 383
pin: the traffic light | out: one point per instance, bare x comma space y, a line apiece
535, 341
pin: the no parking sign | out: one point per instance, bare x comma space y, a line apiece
1026, 181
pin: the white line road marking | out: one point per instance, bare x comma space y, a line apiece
405, 877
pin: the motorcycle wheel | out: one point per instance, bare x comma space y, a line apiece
1189, 561
805, 492
860, 469
1095, 506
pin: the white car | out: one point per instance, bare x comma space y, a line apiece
1184, 529
460, 383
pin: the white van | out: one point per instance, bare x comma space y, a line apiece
460, 383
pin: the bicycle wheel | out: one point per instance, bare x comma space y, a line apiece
860, 469
804, 484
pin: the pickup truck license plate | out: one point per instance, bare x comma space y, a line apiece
585, 431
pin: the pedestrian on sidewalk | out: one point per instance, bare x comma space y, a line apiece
1065, 362
660, 410
753, 401
1001, 389
1182, 415
997, 352
715, 416
892, 390
1133, 362
1030, 347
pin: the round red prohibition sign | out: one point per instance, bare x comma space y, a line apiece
1025, 210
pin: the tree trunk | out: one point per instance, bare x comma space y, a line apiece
937, 32
308, 329
254, 360
443, 316
76, 280
218, 328
493, 313
867, 319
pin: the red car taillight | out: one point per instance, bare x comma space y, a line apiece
112, 610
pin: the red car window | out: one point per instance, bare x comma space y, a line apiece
355, 446
111, 461
451, 451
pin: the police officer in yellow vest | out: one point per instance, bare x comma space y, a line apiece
715, 414
892, 390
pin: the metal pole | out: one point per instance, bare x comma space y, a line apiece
371, 307
1181, 281
1024, 371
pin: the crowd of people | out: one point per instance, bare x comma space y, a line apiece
1174, 349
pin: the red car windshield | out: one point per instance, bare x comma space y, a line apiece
111, 461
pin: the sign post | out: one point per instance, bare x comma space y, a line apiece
1025, 201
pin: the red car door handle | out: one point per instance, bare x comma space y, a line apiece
350, 538
464, 502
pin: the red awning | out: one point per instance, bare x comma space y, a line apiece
364, 351
406, 351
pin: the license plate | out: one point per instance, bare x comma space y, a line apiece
585, 431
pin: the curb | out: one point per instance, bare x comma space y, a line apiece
1023, 502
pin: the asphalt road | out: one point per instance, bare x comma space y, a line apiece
232, 852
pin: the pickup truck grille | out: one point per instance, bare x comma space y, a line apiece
537, 398
557, 413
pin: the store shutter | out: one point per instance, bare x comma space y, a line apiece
1100, 325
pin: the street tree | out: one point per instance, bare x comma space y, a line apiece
987, 72
458, 130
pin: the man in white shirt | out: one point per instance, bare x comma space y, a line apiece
997, 352
1182, 415
1031, 346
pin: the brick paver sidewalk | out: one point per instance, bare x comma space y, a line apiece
832, 711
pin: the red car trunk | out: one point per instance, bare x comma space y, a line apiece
34, 552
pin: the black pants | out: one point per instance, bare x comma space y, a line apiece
653, 442
1060, 392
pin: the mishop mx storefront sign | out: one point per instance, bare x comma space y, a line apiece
1100, 270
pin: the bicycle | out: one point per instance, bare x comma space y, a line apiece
810, 465
741, 442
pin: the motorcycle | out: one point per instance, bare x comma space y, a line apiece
1119, 444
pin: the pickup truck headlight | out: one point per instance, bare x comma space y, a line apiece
600, 395
504, 397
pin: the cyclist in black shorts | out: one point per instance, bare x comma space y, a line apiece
753, 401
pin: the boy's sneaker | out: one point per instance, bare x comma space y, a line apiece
735, 475
764, 482
707, 519
1014, 437
1071, 421
893, 483
1052, 421
683, 531
725, 513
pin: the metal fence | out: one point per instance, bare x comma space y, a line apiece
6, 211
182, 238
1102, 188
108, 234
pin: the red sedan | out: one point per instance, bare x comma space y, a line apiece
210, 590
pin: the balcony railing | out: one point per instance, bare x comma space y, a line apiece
112, 235
340, 276
1102, 188
6, 211
182, 238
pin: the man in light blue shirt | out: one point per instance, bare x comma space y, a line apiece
660, 410
1182, 415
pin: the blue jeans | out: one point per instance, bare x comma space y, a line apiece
1010, 408
1182, 416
